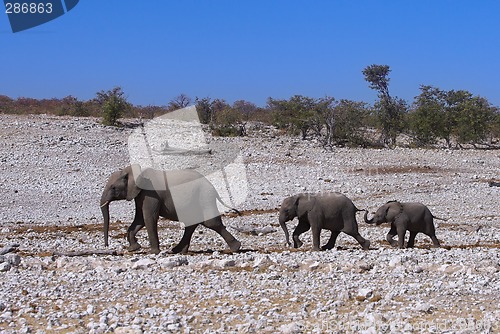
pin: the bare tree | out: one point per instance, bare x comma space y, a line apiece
179, 102
390, 109
245, 109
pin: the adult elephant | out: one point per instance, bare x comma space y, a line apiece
330, 211
413, 217
178, 195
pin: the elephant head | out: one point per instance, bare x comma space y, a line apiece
386, 213
121, 185
291, 207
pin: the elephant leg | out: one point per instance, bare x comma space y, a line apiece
435, 240
183, 245
390, 236
217, 225
351, 228
401, 236
411, 239
151, 216
316, 234
302, 227
362, 241
135, 227
331, 242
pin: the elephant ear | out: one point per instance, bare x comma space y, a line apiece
151, 179
305, 203
391, 211
132, 189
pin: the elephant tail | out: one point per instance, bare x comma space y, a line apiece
227, 206
358, 210
443, 219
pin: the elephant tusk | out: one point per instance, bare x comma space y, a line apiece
106, 203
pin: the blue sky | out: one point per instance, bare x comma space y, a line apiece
252, 50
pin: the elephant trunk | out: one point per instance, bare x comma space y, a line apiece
105, 215
285, 229
368, 221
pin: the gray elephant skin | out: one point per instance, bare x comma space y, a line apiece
178, 195
330, 211
413, 217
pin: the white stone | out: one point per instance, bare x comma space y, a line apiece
395, 261
127, 330
365, 293
143, 263
5, 266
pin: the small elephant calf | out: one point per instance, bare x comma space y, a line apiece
414, 217
330, 211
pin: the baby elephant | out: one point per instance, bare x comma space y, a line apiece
414, 217
330, 211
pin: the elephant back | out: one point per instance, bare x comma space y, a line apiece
335, 204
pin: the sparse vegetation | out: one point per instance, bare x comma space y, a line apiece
114, 105
458, 115
390, 110
454, 118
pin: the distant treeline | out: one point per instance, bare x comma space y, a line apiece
435, 117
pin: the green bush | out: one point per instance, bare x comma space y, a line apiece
114, 105
227, 123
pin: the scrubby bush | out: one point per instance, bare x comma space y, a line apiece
451, 116
114, 105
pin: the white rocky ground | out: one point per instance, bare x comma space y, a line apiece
53, 169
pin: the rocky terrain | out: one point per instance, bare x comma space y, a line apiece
57, 276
